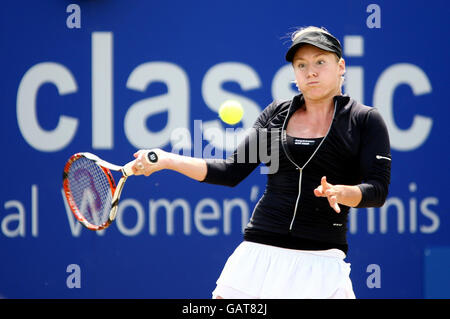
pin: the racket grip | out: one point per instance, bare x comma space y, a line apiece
127, 170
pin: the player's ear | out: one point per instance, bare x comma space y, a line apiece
341, 64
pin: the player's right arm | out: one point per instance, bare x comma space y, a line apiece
227, 172
191, 167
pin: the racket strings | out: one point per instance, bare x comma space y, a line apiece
91, 190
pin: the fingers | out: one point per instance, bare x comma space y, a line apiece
324, 183
138, 168
327, 190
318, 191
332, 200
321, 190
142, 165
139, 164
139, 153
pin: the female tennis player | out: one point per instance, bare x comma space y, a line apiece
333, 153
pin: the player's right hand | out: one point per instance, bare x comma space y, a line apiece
143, 166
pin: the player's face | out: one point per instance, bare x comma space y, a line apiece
317, 72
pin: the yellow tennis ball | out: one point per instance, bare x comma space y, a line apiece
231, 112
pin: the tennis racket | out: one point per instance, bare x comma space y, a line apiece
91, 191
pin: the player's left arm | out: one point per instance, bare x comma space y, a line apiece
375, 161
375, 169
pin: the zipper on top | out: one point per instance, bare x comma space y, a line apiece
300, 169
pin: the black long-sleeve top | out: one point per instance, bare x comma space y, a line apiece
355, 151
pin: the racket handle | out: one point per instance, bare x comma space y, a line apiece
127, 170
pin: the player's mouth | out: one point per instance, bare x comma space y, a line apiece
313, 83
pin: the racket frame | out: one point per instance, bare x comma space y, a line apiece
116, 190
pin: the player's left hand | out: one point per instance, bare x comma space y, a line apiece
329, 191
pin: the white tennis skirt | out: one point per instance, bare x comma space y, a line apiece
262, 271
